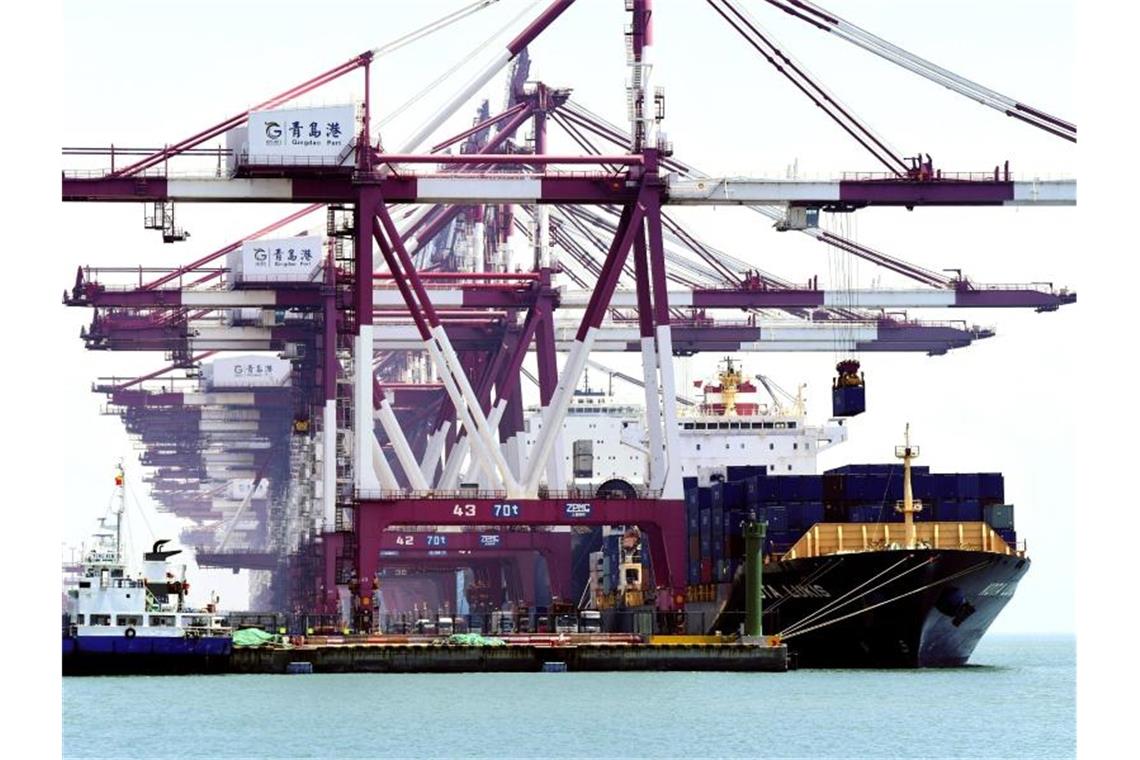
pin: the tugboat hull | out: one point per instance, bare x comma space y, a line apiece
119, 655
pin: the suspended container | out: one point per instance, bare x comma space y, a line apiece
848, 390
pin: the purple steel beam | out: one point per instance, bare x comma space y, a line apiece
163, 371
663, 520
231, 247
628, 227
429, 230
504, 158
368, 203
479, 127
536, 27
589, 189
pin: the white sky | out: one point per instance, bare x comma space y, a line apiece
1028, 402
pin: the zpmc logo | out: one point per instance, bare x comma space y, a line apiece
578, 510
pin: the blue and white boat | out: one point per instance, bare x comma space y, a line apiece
117, 622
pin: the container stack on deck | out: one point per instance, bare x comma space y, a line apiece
792, 504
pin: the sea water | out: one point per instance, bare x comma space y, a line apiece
1015, 700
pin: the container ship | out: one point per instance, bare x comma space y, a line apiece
865, 565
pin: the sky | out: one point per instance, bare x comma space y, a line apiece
1036, 402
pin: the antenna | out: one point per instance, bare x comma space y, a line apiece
120, 489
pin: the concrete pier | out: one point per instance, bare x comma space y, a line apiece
519, 658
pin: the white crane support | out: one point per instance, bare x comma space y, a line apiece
399, 443
434, 450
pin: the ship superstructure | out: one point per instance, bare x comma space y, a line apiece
605, 440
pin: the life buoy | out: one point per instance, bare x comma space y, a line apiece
129, 633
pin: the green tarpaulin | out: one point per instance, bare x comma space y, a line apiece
253, 637
474, 640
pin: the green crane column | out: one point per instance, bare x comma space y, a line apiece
754, 533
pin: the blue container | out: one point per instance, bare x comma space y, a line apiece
923, 486
812, 489
706, 532
848, 401
717, 493
991, 485
812, 513
999, 516
738, 473
945, 510
1009, 536
969, 511
834, 486
694, 572
969, 486
688, 483
734, 495
777, 519
716, 539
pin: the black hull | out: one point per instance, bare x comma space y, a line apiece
121, 656
885, 609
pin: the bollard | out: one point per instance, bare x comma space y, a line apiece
754, 533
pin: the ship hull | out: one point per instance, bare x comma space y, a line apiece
882, 609
147, 655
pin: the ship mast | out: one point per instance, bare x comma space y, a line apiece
730, 379
120, 508
909, 506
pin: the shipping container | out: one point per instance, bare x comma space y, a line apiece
991, 486
740, 473
706, 571
848, 400
999, 516
812, 513
876, 469
969, 511
777, 518
945, 510
694, 572
833, 487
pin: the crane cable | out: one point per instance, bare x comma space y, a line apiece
430, 28
466, 59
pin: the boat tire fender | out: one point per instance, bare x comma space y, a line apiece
129, 633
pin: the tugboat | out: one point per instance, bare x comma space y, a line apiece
119, 624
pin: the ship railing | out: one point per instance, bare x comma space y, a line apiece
824, 539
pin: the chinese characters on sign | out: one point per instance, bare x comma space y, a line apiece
309, 132
296, 259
